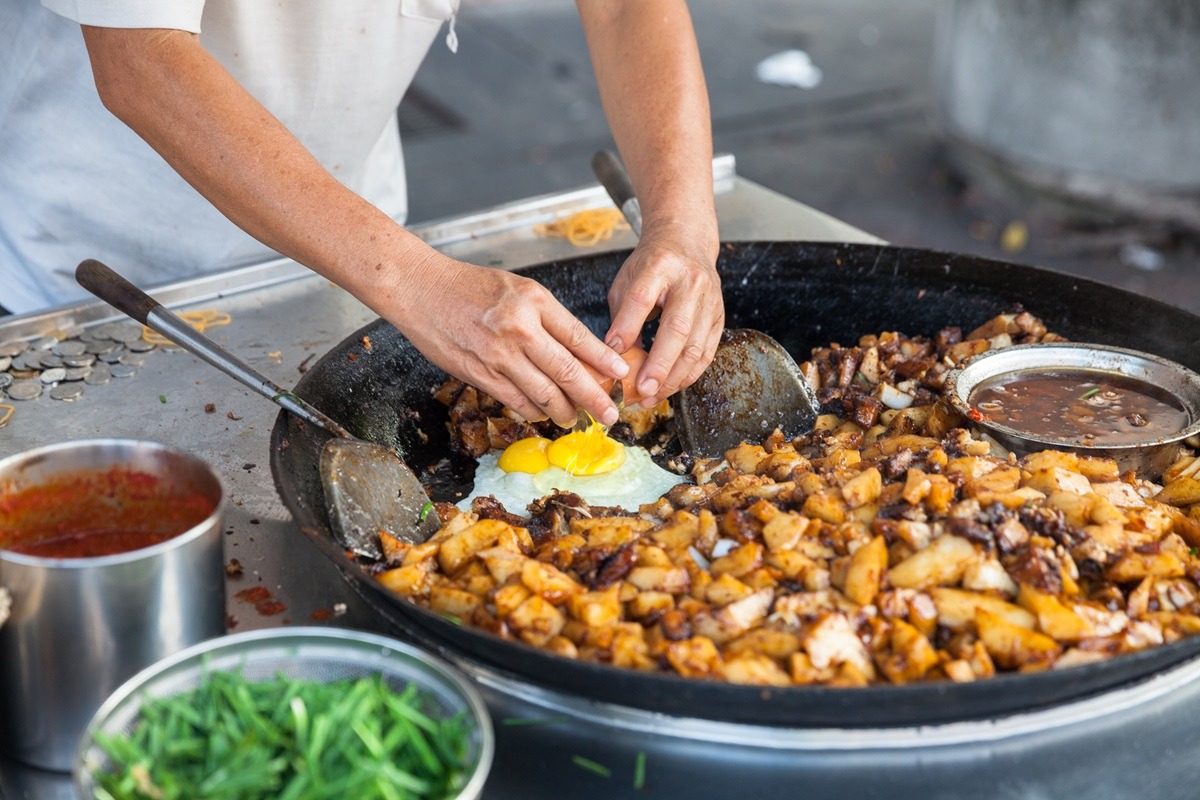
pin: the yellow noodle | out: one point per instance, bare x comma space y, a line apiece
584, 228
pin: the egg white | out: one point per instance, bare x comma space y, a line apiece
638, 480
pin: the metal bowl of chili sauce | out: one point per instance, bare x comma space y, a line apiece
1095, 400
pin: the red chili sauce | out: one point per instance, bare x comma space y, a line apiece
1080, 406
92, 514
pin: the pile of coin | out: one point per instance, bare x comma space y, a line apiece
62, 367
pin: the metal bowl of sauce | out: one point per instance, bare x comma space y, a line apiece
1091, 399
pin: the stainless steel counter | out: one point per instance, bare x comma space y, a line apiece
1139, 740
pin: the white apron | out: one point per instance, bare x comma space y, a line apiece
76, 183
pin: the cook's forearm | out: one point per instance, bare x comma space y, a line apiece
223, 142
652, 86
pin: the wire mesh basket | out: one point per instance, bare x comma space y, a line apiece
314, 654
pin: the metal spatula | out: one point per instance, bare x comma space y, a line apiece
367, 487
752, 386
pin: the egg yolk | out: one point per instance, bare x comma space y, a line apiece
525, 455
587, 452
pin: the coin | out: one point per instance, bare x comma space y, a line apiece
27, 360
100, 347
141, 346
66, 391
122, 370
5, 363
24, 390
53, 375
126, 332
49, 360
71, 332
23, 374
99, 375
113, 357
11, 349
85, 360
44, 343
134, 359
5, 379
77, 373
70, 347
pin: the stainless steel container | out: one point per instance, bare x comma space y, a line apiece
80, 627
312, 654
1149, 459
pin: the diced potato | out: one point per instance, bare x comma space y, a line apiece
988, 574
865, 571
911, 655
957, 609
784, 530
502, 563
418, 553
863, 488
630, 651
740, 561
916, 487
1056, 479
825, 506
682, 532
537, 621
1098, 470
1183, 492
959, 670
1051, 459
507, 598
964, 350
831, 641
756, 670
562, 646
941, 494
551, 583
650, 556
461, 547
736, 618
998, 481
1012, 646
1076, 508
456, 602
1134, 566
1120, 494
394, 550
941, 563
673, 580
746, 457
696, 657
769, 642
1054, 619
602, 526
803, 672
725, 590
410, 581
970, 467
648, 603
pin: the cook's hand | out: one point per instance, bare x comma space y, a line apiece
671, 273
508, 336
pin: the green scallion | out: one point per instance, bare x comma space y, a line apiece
592, 766
1089, 393
639, 771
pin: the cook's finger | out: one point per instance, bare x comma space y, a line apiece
513, 398
692, 359
573, 386
566, 328
638, 304
712, 341
542, 391
674, 334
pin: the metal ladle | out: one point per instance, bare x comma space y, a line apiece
753, 384
367, 487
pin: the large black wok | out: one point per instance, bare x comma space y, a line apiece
804, 295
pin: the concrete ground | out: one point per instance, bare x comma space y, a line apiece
515, 113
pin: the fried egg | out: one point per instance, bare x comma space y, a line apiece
589, 463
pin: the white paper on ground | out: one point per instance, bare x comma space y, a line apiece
789, 68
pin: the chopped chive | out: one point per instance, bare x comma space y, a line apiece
523, 722
1194, 551
425, 509
592, 766
1089, 393
639, 771
162, 398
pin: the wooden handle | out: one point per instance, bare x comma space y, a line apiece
115, 290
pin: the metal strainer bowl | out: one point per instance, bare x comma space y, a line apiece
319, 654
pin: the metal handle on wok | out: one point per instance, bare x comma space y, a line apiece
118, 292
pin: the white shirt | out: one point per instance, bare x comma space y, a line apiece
76, 183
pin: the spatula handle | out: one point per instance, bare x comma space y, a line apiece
118, 292
613, 177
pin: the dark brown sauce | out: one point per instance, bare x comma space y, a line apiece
90, 544
1079, 406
